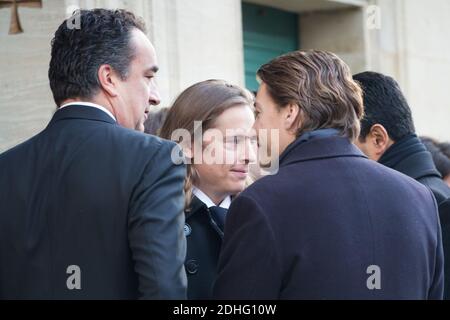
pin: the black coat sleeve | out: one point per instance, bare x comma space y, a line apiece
444, 214
249, 263
155, 228
436, 291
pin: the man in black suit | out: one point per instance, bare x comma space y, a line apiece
388, 136
330, 224
90, 207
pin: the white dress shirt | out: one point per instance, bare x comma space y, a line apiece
207, 200
90, 104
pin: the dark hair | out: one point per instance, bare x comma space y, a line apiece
385, 104
321, 84
103, 37
155, 121
445, 148
441, 160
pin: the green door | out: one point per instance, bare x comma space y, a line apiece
268, 33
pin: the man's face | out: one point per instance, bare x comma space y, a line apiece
233, 144
273, 136
138, 91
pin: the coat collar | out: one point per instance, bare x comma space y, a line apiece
319, 147
81, 112
418, 165
197, 206
207, 200
194, 207
410, 157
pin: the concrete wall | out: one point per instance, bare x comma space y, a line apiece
412, 46
195, 40
335, 31
25, 100
200, 39
427, 59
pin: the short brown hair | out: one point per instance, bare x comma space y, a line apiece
321, 84
204, 101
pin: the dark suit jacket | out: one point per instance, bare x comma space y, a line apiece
90, 193
204, 239
420, 166
313, 231
444, 214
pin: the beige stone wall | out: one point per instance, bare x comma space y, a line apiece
412, 46
26, 103
335, 31
200, 39
195, 40
427, 59
25, 99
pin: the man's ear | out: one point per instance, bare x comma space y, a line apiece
291, 113
108, 79
379, 138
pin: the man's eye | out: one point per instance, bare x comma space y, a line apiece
232, 140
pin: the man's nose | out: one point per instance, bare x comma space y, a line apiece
248, 154
155, 98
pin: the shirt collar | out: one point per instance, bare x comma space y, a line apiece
89, 104
207, 200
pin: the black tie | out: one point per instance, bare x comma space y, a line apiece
218, 214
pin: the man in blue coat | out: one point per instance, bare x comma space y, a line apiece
330, 224
90, 208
